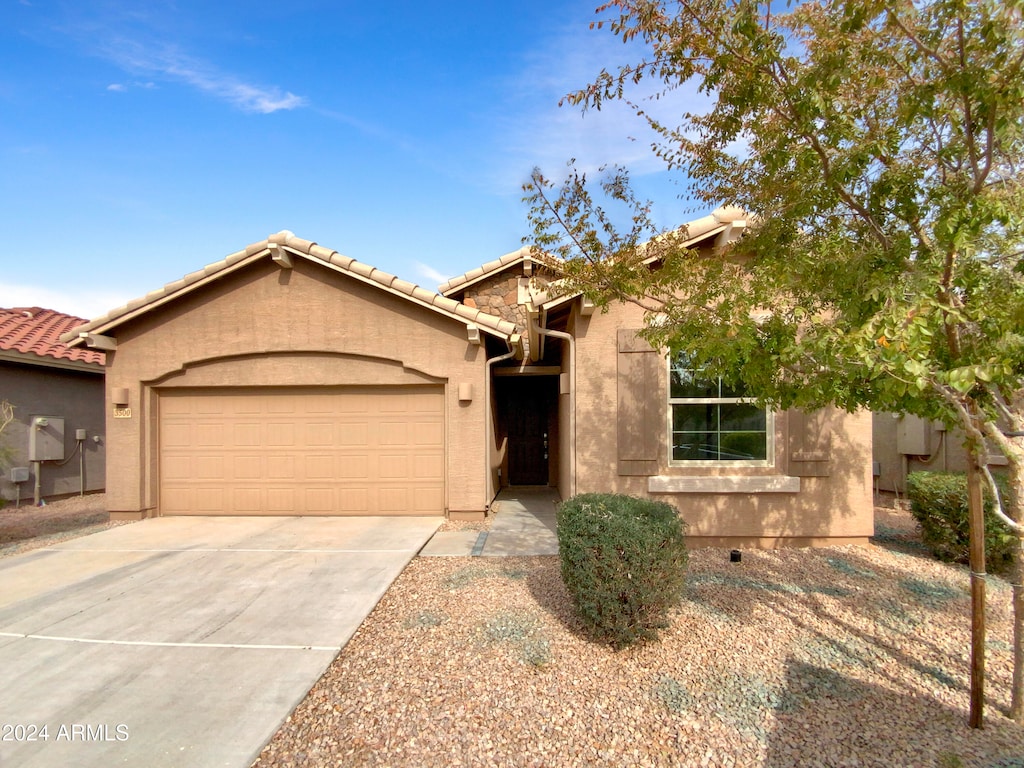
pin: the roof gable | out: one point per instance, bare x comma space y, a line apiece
509, 260
720, 227
282, 248
33, 335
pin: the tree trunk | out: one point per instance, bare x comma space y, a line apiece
1014, 510
1016, 712
975, 506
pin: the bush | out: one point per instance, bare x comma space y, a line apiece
938, 501
623, 562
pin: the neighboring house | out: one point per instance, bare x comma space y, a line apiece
56, 391
288, 379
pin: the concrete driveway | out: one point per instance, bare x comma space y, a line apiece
182, 641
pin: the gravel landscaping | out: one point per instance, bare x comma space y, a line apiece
28, 527
845, 656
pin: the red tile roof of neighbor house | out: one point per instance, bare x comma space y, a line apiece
37, 331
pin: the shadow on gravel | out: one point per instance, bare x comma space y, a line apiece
544, 580
826, 718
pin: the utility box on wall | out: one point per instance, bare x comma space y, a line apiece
46, 439
912, 436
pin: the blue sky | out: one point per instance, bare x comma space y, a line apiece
142, 140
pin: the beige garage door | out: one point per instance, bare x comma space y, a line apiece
291, 451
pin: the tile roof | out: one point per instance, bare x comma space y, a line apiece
483, 271
291, 244
699, 229
724, 221
37, 331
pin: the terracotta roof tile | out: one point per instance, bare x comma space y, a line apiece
307, 249
482, 271
37, 331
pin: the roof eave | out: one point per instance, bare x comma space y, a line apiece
45, 361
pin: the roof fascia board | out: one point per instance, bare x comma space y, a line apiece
480, 278
43, 361
696, 240
72, 338
402, 295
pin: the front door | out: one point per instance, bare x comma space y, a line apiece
528, 403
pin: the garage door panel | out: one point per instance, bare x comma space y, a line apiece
282, 467
246, 434
177, 435
246, 468
353, 500
393, 466
425, 467
209, 407
428, 434
244, 500
206, 434
177, 469
178, 499
209, 503
318, 433
302, 451
428, 498
394, 433
394, 500
209, 468
280, 433
281, 404
282, 500
320, 468
355, 435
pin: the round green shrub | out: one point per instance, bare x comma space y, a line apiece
938, 501
624, 563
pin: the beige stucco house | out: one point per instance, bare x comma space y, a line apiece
288, 379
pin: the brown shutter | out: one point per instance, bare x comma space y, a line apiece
640, 433
810, 443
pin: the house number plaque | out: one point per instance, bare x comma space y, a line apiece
122, 412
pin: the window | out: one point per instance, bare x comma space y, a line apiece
713, 423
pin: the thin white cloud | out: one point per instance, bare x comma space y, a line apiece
154, 58
538, 132
118, 87
429, 274
81, 302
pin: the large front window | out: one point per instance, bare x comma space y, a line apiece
713, 423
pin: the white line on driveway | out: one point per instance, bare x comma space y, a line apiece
173, 645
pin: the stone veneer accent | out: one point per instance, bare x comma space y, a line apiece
499, 295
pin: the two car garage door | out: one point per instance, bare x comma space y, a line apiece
302, 451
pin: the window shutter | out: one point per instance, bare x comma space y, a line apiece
810, 443
640, 434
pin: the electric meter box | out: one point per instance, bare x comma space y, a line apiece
912, 436
46, 439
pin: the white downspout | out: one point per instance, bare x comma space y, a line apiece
489, 420
572, 396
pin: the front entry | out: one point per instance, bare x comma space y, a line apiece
528, 405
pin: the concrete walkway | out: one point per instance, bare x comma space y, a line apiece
524, 525
183, 641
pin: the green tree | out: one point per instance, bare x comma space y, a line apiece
876, 146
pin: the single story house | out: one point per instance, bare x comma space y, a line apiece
55, 445
289, 379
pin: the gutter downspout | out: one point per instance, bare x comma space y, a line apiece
489, 419
572, 395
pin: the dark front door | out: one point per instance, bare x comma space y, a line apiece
529, 442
